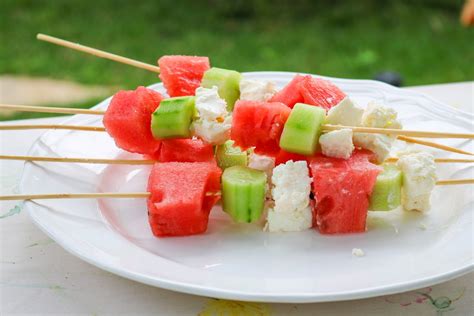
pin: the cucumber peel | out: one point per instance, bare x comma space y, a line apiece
243, 193
173, 118
227, 82
228, 155
302, 129
387, 194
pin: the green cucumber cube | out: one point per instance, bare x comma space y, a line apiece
173, 118
243, 193
227, 82
227, 155
302, 129
387, 194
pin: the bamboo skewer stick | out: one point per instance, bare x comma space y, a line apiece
81, 160
129, 195
98, 53
151, 162
437, 160
455, 181
116, 195
390, 131
325, 128
53, 126
47, 109
434, 145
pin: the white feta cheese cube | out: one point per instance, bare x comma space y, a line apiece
289, 222
213, 132
376, 115
376, 143
419, 180
337, 144
263, 163
291, 188
209, 104
345, 113
214, 122
256, 90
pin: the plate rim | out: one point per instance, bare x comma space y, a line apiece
213, 291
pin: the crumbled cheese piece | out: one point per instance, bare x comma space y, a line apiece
358, 252
419, 179
214, 122
376, 143
337, 144
291, 189
209, 104
263, 163
256, 90
376, 115
345, 113
213, 132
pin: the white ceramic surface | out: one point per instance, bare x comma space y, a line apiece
403, 250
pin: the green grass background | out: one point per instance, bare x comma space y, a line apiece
422, 40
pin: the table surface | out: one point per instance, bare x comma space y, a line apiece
37, 276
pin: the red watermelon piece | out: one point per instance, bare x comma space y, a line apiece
182, 75
128, 120
284, 156
320, 92
342, 189
185, 150
178, 205
290, 94
259, 124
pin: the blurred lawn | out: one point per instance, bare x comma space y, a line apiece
422, 40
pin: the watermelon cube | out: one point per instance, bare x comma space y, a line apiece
259, 124
182, 75
186, 150
290, 94
309, 90
128, 120
179, 205
342, 190
320, 92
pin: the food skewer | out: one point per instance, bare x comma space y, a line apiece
128, 195
52, 126
151, 162
27, 108
325, 127
98, 53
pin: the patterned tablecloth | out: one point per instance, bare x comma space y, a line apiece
39, 277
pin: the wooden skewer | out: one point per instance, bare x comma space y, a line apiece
115, 195
120, 195
98, 53
53, 126
151, 162
46, 109
130, 195
434, 145
81, 160
391, 131
325, 127
438, 160
455, 181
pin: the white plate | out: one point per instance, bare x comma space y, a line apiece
403, 250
